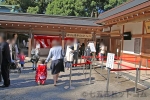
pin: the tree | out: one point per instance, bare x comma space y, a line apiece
60, 7
84, 8
11, 2
113, 3
33, 10
42, 4
24, 4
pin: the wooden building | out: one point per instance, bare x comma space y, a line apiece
49, 26
132, 16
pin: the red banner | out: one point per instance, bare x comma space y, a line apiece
45, 41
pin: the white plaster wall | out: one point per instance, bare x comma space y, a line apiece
134, 28
117, 28
128, 46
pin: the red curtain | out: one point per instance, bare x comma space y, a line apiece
45, 44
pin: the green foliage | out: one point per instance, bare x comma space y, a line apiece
33, 10
84, 8
74, 7
113, 3
11, 2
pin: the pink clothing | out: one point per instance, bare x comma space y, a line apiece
21, 57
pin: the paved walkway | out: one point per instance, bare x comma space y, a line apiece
144, 75
23, 87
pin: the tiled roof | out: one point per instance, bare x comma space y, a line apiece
121, 8
38, 18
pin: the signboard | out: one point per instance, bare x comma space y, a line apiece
78, 35
137, 45
92, 47
147, 25
110, 60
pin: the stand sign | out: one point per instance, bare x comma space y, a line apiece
110, 60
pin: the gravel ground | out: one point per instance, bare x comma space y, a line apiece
23, 87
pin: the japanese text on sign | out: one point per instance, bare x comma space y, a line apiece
110, 60
78, 35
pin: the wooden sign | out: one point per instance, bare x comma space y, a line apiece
78, 35
147, 25
115, 33
137, 45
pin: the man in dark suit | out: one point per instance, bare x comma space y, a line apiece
6, 60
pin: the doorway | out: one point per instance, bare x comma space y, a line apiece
116, 46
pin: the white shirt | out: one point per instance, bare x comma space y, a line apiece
69, 55
37, 46
55, 53
103, 49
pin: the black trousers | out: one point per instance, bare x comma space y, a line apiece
5, 74
75, 60
0, 77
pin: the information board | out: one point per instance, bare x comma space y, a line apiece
110, 60
92, 47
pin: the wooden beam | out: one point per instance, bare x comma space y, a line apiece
143, 27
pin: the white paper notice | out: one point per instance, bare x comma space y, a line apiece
92, 47
110, 60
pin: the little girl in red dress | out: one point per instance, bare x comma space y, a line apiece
41, 73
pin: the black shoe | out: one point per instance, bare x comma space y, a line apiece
4, 86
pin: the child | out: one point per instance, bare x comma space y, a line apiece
41, 73
21, 57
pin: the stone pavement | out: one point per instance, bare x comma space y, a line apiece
23, 87
144, 75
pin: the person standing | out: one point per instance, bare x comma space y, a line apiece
37, 48
14, 48
69, 55
76, 51
6, 60
102, 52
21, 57
88, 54
56, 54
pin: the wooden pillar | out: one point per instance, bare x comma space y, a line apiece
63, 40
122, 39
110, 50
94, 40
31, 42
141, 59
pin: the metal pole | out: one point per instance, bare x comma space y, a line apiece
139, 72
70, 87
90, 73
108, 75
118, 71
120, 64
136, 80
146, 65
70, 76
